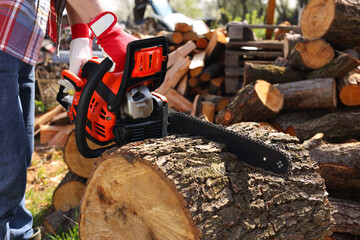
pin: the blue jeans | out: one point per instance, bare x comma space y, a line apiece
17, 95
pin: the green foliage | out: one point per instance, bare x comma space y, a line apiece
72, 234
253, 18
187, 7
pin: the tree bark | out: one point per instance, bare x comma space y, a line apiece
337, 21
190, 188
339, 166
337, 68
271, 73
61, 219
69, 192
290, 40
338, 126
309, 94
347, 216
256, 102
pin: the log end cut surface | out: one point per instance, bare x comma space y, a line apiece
350, 95
317, 18
316, 53
128, 199
269, 95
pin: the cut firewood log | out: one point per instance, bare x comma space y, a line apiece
178, 101
349, 88
309, 94
337, 68
285, 120
339, 166
208, 110
76, 163
211, 71
59, 139
190, 36
217, 85
270, 73
64, 219
337, 126
61, 119
47, 132
181, 52
197, 64
279, 33
69, 192
337, 21
346, 216
311, 54
183, 27
255, 102
45, 118
190, 188
182, 85
290, 40
174, 75
220, 102
172, 37
193, 82
202, 42
216, 47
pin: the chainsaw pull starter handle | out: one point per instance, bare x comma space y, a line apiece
82, 110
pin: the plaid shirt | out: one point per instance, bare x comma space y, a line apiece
24, 23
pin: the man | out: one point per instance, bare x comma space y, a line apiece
23, 24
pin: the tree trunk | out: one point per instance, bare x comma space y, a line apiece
190, 188
271, 73
349, 88
76, 163
61, 219
337, 68
256, 102
347, 216
311, 54
337, 126
69, 192
337, 21
339, 166
309, 94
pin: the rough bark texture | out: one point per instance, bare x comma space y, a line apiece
337, 68
290, 40
339, 166
309, 94
256, 102
347, 216
64, 220
337, 21
224, 198
337, 126
270, 73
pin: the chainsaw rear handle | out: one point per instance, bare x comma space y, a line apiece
82, 110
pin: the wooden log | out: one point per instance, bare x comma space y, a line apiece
60, 138
255, 102
217, 85
349, 88
339, 166
347, 216
47, 132
178, 101
208, 110
197, 64
45, 118
337, 126
182, 51
337, 68
215, 48
69, 192
280, 32
309, 94
183, 86
271, 73
190, 36
311, 54
76, 163
220, 102
290, 40
337, 21
193, 82
63, 219
211, 71
172, 37
183, 27
202, 42
174, 75
154, 189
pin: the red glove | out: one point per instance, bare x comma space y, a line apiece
111, 38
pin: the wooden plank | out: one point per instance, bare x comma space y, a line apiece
259, 54
263, 44
270, 18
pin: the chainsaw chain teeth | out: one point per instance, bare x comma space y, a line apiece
280, 164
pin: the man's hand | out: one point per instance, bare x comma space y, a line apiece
111, 38
80, 52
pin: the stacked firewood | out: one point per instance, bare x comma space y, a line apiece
313, 93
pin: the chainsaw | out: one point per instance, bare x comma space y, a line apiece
112, 109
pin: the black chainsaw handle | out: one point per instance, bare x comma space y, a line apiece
82, 110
